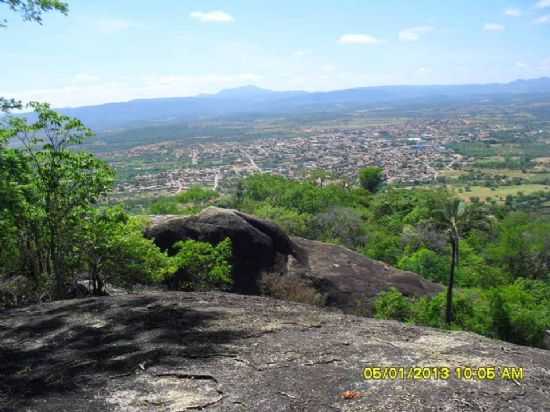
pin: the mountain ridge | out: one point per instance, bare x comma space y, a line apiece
252, 99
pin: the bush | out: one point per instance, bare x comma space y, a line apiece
392, 305
20, 290
196, 195
165, 206
126, 257
199, 266
341, 224
290, 288
426, 263
291, 221
524, 313
429, 311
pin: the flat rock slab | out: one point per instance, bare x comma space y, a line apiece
224, 352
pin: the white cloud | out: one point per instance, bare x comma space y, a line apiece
512, 12
358, 39
214, 16
113, 25
542, 4
493, 27
414, 33
543, 19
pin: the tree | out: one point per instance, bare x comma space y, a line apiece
32, 10
9, 104
113, 250
450, 218
371, 178
52, 191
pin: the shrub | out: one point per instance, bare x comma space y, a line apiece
165, 206
196, 195
199, 266
291, 221
392, 305
342, 224
426, 263
125, 256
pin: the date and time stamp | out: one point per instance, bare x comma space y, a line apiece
444, 373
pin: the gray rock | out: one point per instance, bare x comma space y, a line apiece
257, 244
179, 351
349, 280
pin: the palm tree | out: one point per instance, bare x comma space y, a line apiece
451, 217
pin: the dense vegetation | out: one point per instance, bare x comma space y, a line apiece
58, 233
502, 270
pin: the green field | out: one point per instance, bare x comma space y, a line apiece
498, 193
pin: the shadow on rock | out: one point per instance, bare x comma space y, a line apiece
74, 345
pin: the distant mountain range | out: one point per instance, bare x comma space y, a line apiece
255, 100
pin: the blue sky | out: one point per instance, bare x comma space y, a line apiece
117, 50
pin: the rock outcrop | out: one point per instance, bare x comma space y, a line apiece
258, 245
179, 351
349, 280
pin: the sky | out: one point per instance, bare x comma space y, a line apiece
118, 50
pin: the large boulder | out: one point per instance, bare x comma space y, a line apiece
347, 279
350, 280
258, 245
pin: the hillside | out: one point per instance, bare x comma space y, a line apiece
224, 352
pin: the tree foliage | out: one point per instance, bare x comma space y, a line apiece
199, 266
32, 10
49, 187
371, 178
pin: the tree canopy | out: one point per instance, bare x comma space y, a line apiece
371, 178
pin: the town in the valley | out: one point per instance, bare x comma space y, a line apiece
411, 152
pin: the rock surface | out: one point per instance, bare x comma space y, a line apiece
225, 352
348, 279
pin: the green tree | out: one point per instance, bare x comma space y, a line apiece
523, 246
113, 250
426, 263
371, 178
58, 187
200, 266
